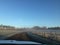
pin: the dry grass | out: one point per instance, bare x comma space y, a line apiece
12, 32
49, 35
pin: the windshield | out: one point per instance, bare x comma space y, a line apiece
30, 20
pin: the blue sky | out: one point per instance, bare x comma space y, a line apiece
27, 13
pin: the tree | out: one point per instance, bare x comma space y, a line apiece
36, 27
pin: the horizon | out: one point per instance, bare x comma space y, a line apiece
29, 13
29, 27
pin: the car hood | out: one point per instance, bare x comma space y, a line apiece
17, 42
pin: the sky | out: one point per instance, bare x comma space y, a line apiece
28, 13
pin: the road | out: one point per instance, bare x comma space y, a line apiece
8, 34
